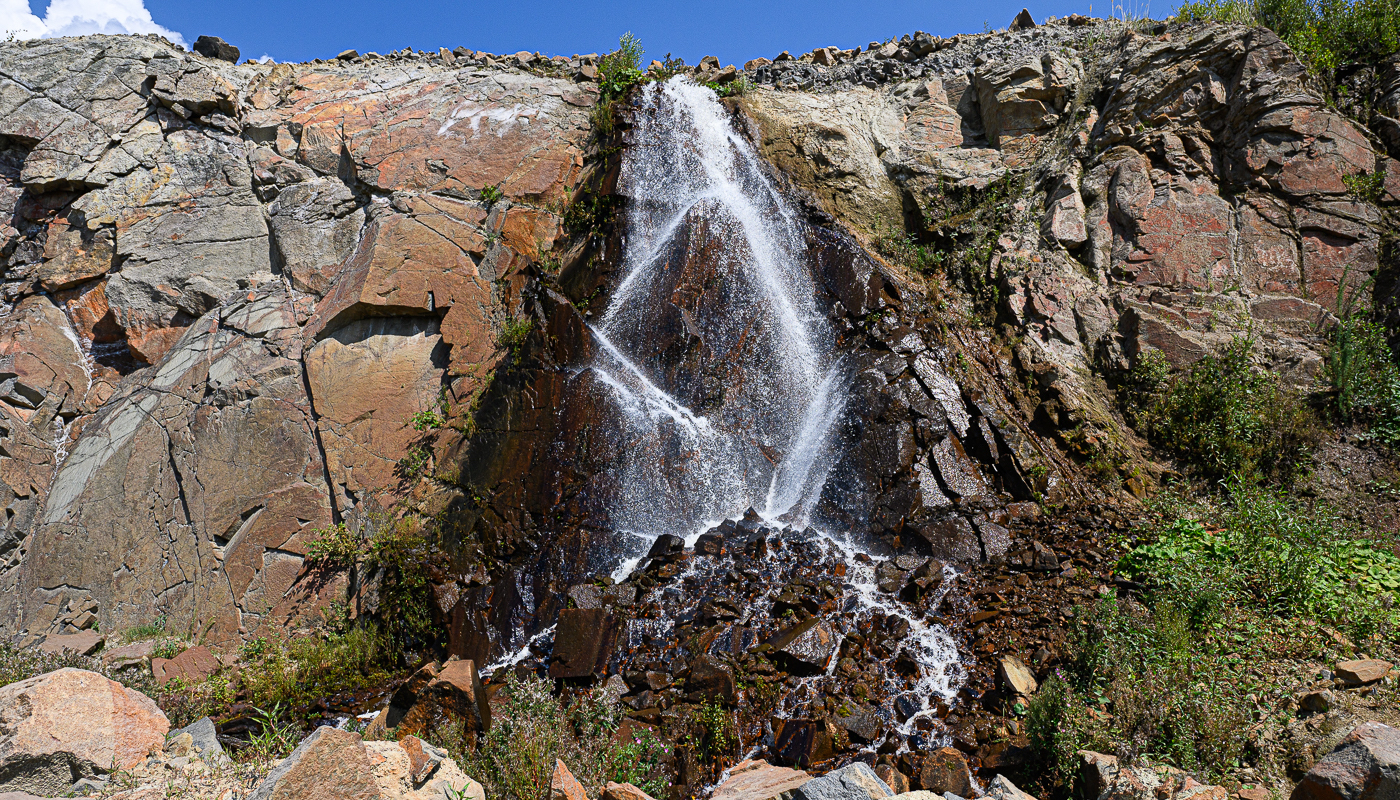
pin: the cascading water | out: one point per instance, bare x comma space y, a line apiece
749, 314
728, 387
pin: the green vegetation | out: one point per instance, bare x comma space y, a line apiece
1228, 584
491, 195
960, 227
618, 72
532, 728
432, 417
1325, 34
1364, 379
151, 630
1221, 417
514, 333
712, 734
288, 677
1366, 186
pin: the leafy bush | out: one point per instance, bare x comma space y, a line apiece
336, 546
1325, 34
491, 195
1223, 418
1365, 379
621, 69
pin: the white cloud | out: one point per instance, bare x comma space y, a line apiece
78, 18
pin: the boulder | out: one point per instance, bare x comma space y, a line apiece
1001, 788
71, 724
412, 770
563, 785
203, 741
192, 666
945, 770
1362, 672
1363, 766
84, 643
759, 780
893, 778
1016, 676
855, 781
624, 791
806, 648
329, 764
137, 654
214, 47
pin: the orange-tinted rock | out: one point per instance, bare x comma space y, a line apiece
329, 764
759, 780
191, 666
563, 785
73, 722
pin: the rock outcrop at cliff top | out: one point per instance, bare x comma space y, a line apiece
228, 288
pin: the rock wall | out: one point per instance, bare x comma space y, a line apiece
229, 288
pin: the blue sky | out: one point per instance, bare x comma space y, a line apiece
296, 30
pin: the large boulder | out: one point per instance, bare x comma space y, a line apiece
72, 724
410, 769
329, 764
855, 781
759, 780
1363, 766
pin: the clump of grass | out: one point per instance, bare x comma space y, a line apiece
1364, 379
288, 676
530, 729
1223, 418
514, 333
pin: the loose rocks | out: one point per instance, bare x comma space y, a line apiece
1363, 766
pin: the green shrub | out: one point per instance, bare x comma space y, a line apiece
151, 630
336, 546
1365, 379
621, 69
288, 677
1325, 34
491, 195
1223, 419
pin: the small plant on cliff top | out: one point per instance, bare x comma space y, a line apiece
621, 69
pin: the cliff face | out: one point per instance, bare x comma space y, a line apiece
229, 288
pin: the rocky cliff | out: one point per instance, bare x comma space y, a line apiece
231, 290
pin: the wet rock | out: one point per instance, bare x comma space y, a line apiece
328, 764
945, 770
806, 648
711, 678
453, 695
1363, 766
709, 544
759, 780
563, 785
803, 742
1362, 672
856, 781
70, 724
214, 47
893, 778
863, 724
667, 547
583, 642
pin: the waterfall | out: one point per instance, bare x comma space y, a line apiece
735, 410
722, 388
